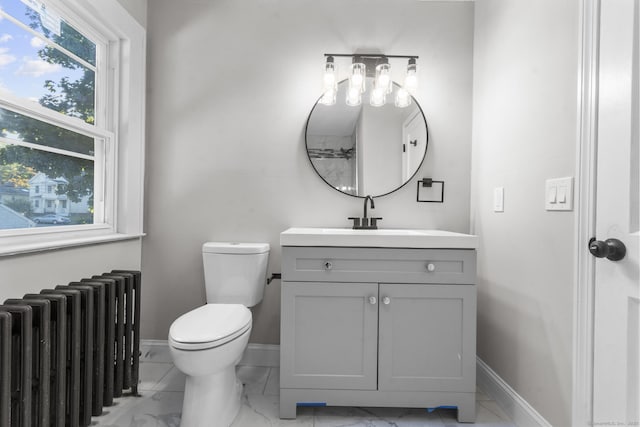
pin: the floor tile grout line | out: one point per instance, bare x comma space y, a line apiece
264, 389
163, 377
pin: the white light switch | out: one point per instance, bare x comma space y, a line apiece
551, 194
498, 199
559, 194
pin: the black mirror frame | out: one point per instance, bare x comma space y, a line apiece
306, 145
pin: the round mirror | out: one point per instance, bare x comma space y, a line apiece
365, 150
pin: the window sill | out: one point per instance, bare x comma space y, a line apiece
33, 247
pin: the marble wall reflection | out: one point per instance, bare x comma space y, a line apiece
334, 157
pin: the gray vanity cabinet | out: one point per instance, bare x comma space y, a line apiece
333, 331
426, 337
378, 327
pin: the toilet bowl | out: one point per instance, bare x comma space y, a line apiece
208, 356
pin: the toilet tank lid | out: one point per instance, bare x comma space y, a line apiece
235, 248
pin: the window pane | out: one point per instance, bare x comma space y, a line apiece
27, 174
22, 128
48, 22
45, 75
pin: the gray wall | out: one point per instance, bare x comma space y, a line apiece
32, 272
524, 131
137, 9
230, 86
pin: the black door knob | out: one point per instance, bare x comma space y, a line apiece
612, 249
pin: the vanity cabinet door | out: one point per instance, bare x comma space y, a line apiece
427, 337
329, 335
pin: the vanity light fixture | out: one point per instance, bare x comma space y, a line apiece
357, 82
403, 98
383, 76
358, 75
411, 79
369, 65
330, 86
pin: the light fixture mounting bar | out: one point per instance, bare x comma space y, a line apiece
371, 55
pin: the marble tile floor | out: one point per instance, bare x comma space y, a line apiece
162, 385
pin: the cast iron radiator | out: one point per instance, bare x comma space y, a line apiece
66, 352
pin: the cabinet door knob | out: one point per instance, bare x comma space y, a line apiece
373, 300
328, 265
386, 300
431, 267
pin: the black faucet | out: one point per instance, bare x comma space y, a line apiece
366, 223
373, 206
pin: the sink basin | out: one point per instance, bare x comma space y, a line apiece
381, 238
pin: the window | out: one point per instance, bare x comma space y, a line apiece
50, 64
63, 95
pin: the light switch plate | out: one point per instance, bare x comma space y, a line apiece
559, 194
498, 199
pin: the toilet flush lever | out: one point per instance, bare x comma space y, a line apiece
273, 277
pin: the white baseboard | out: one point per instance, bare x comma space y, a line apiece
521, 413
146, 343
254, 354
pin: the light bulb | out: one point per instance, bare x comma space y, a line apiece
358, 73
411, 79
383, 77
403, 99
330, 81
354, 96
329, 97
377, 97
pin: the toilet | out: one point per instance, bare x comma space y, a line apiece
207, 343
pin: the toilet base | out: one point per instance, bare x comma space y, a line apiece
212, 400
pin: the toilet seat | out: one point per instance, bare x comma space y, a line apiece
223, 323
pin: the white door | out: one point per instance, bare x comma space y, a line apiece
616, 397
414, 140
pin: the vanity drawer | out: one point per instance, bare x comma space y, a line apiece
329, 264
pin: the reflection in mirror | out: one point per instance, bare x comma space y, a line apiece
364, 150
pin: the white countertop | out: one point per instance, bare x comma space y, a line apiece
381, 238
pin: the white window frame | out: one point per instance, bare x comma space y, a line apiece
122, 90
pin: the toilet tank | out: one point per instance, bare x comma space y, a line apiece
235, 273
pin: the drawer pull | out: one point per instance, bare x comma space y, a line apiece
328, 265
373, 300
386, 300
431, 267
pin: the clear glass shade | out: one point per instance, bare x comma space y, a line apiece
411, 79
357, 77
383, 78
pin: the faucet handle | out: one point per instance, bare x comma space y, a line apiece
356, 222
374, 222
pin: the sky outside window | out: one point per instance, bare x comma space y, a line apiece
23, 71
